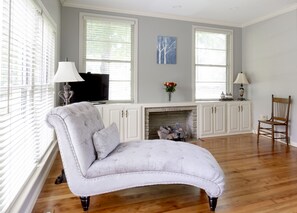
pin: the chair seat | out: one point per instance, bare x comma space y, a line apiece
272, 122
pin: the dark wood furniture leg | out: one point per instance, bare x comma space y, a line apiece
287, 136
85, 202
258, 131
212, 203
61, 178
272, 134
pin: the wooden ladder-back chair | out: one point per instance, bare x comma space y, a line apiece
279, 117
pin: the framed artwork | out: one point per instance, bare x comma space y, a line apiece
166, 50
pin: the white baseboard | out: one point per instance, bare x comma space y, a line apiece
27, 199
292, 143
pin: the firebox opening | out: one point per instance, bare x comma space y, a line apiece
184, 117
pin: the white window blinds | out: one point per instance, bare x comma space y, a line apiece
27, 60
213, 67
108, 46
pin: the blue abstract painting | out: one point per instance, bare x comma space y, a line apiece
166, 50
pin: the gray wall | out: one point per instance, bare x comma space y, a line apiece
270, 62
150, 74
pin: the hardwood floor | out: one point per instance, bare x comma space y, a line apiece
259, 178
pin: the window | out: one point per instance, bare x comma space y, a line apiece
212, 63
108, 47
27, 61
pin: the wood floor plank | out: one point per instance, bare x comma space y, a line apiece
259, 178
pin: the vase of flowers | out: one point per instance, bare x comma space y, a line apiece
170, 88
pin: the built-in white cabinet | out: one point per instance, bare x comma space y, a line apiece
239, 117
212, 119
127, 119
100, 109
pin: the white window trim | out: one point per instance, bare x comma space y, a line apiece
47, 14
57, 45
134, 77
27, 196
230, 64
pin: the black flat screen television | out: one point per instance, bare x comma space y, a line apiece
94, 88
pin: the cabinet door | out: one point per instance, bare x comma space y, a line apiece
233, 117
206, 115
245, 116
132, 123
100, 109
114, 114
219, 118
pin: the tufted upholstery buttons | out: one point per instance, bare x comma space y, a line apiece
82, 121
158, 155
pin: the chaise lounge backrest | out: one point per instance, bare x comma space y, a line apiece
76, 125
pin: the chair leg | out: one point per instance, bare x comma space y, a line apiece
287, 136
212, 203
85, 203
272, 133
258, 132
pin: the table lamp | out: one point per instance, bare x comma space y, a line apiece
66, 72
241, 79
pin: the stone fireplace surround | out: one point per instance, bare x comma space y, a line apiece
156, 116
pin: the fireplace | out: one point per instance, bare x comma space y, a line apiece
185, 116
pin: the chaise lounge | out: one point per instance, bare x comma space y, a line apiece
95, 162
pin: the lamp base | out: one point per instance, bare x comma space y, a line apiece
241, 93
66, 94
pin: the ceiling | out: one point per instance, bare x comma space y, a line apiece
237, 13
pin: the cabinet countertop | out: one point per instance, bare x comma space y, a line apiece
169, 104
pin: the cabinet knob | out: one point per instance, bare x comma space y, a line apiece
122, 113
126, 113
241, 108
238, 108
215, 109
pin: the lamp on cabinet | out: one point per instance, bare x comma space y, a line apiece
241, 79
67, 72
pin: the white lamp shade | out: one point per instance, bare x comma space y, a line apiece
67, 72
241, 79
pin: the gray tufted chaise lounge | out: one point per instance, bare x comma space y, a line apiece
130, 164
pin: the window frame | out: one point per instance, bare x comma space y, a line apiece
229, 59
134, 65
36, 115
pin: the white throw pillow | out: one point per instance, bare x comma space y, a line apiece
106, 140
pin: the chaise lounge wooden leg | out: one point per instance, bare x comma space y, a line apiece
61, 178
85, 202
212, 203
